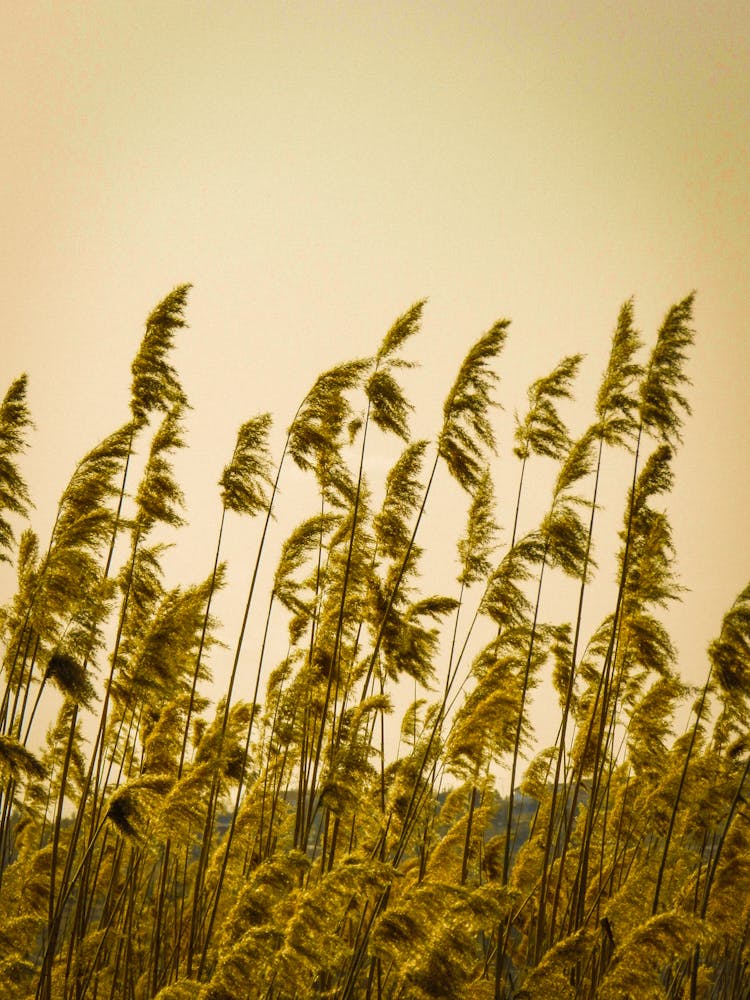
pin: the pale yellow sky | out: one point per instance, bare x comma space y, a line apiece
314, 168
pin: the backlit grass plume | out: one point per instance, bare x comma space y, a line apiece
616, 402
244, 480
662, 399
317, 426
542, 432
14, 494
730, 658
159, 497
467, 434
155, 385
388, 406
478, 543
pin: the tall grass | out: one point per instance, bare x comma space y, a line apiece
317, 840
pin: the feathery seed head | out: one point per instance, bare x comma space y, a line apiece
155, 385
542, 432
70, 677
14, 494
159, 497
243, 480
324, 412
404, 327
402, 492
662, 402
467, 433
730, 657
616, 402
476, 546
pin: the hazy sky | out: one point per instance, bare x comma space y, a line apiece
314, 167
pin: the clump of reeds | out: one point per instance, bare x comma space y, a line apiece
279, 846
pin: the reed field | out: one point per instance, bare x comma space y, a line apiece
366, 810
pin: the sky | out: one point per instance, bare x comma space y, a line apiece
313, 168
